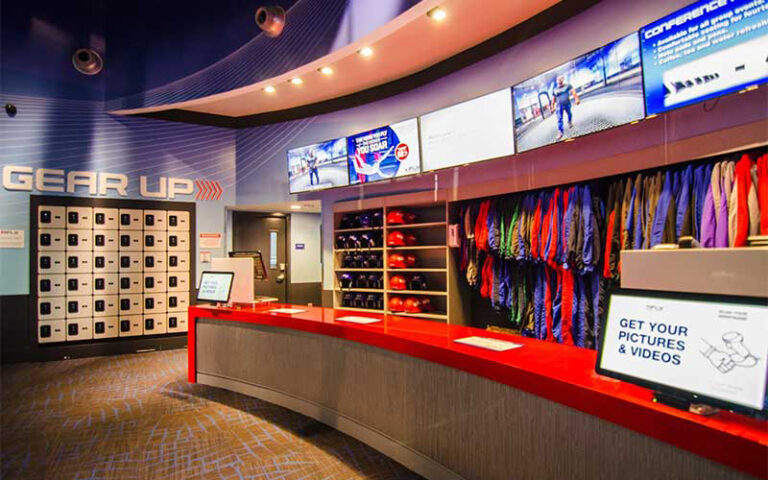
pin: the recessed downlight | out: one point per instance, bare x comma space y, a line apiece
296, 81
437, 14
326, 71
366, 51
269, 89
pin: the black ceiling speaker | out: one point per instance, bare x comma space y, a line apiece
271, 20
87, 61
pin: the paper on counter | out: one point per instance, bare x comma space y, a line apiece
287, 310
357, 319
489, 343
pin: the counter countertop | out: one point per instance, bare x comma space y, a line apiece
561, 373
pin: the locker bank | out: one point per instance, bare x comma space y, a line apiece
410, 239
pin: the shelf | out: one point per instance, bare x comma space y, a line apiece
419, 270
420, 247
355, 309
417, 292
359, 270
361, 290
414, 225
434, 316
361, 229
361, 250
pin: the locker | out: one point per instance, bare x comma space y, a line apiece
177, 301
51, 262
178, 261
79, 307
106, 262
131, 304
79, 329
79, 262
51, 308
130, 262
105, 305
106, 240
51, 240
130, 325
155, 261
176, 322
79, 240
105, 218
178, 241
51, 285
154, 241
130, 241
155, 220
79, 284
155, 282
105, 284
105, 327
130, 282
79, 218
130, 219
51, 331
178, 221
155, 324
178, 282
51, 217
154, 303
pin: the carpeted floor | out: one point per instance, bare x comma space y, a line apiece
136, 417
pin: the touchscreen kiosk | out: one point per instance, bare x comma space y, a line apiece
215, 287
706, 349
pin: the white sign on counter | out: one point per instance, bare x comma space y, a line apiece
489, 343
357, 319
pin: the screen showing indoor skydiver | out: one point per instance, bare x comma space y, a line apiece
596, 91
319, 166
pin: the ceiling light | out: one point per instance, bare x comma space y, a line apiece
437, 14
295, 207
366, 51
296, 81
326, 71
269, 89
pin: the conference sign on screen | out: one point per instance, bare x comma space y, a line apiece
383, 153
597, 91
317, 167
472, 131
711, 347
705, 50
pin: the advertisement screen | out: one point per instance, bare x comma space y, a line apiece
709, 347
707, 49
317, 167
596, 91
472, 131
383, 153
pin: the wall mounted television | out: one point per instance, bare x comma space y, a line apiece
318, 166
383, 153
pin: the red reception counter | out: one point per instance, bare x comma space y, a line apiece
448, 410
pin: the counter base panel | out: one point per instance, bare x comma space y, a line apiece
440, 422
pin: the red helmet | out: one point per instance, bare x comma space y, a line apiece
411, 240
398, 282
395, 217
409, 217
412, 305
426, 305
396, 260
396, 304
410, 260
395, 238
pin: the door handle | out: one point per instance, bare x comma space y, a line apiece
280, 278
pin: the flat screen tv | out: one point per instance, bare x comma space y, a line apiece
317, 167
383, 153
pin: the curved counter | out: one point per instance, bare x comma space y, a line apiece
452, 411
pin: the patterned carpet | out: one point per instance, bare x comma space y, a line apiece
136, 417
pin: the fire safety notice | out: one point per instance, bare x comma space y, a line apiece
11, 238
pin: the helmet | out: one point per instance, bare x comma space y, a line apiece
361, 281
397, 282
346, 300
357, 260
412, 305
347, 261
374, 280
411, 240
395, 238
372, 260
365, 220
417, 282
359, 301
396, 260
347, 221
341, 241
353, 241
409, 217
345, 279
395, 217
426, 305
410, 260
368, 240
377, 219
396, 304
372, 301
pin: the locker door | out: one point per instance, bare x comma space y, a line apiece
178, 282
79, 307
130, 262
130, 283
155, 220
105, 262
79, 240
106, 240
154, 303
176, 322
154, 241
155, 282
178, 241
106, 284
51, 308
51, 217
106, 218
178, 261
131, 241
155, 262
79, 262
177, 301
105, 305
131, 304
105, 327
130, 219
51, 285
51, 331
79, 329
51, 262
79, 284
178, 221
79, 218
51, 240
130, 325
155, 324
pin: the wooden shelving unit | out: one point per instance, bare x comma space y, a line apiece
432, 254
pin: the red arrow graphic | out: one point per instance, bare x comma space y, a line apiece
199, 189
219, 190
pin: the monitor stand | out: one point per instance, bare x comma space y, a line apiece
683, 403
